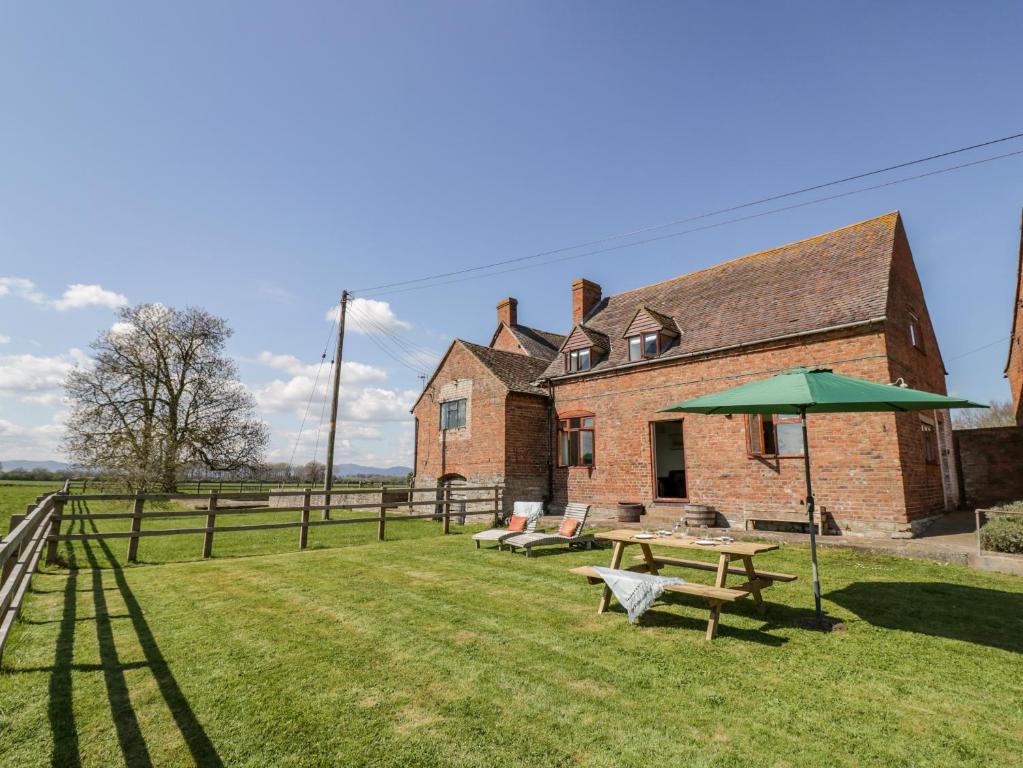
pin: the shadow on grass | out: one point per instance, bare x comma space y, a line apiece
956, 611
695, 619
133, 745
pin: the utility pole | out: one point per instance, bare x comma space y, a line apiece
328, 475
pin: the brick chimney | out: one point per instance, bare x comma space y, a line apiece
508, 311
585, 296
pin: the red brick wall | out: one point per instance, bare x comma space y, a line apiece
855, 457
1014, 370
476, 452
991, 461
526, 448
506, 342
921, 369
503, 441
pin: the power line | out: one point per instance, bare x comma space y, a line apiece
312, 393
405, 352
704, 227
690, 219
979, 349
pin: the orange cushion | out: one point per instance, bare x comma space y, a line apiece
568, 528
517, 523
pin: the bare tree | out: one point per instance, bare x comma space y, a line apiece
999, 414
161, 395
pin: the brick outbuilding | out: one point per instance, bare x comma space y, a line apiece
585, 426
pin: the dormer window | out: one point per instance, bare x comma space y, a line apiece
649, 333
578, 360
644, 346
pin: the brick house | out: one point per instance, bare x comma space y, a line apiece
1014, 365
483, 419
850, 300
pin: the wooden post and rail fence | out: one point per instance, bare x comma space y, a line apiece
39, 528
20, 551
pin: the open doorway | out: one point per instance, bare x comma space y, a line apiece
668, 460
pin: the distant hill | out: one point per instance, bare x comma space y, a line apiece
344, 470
52, 466
347, 470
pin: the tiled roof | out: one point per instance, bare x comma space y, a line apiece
830, 280
666, 322
597, 339
537, 343
515, 371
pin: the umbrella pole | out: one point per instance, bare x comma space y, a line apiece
813, 525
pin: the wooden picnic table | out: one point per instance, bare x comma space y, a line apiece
716, 595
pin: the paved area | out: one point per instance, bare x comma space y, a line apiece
950, 539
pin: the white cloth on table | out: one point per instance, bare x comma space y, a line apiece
635, 591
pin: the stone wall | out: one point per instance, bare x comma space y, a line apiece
991, 464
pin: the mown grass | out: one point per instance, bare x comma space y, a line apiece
427, 652
15, 495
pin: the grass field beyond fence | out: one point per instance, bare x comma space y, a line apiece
427, 652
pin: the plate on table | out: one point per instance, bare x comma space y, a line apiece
707, 542
644, 536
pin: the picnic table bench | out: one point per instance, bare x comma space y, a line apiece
717, 594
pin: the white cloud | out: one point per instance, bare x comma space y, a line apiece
276, 293
293, 394
81, 295
5, 339
36, 378
121, 328
76, 296
369, 316
40, 442
373, 404
22, 288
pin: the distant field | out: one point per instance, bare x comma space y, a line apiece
15, 495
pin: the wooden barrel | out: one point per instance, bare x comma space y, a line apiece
629, 511
700, 515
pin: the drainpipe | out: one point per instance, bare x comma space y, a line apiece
550, 445
415, 449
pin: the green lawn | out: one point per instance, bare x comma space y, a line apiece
426, 652
16, 494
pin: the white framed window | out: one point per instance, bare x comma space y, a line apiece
578, 360
644, 346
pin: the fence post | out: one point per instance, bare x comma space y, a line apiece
136, 526
497, 505
447, 509
383, 515
51, 545
211, 521
303, 532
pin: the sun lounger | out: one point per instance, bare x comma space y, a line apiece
531, 510
528, 541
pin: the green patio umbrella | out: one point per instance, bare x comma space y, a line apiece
816, 390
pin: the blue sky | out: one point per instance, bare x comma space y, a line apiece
256, 158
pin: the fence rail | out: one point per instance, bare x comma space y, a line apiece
460, 503
206, 487
981, 518
19, 555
